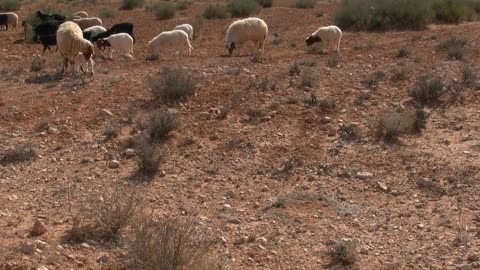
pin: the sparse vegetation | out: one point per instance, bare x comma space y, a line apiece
111, 132
148, 157
315, 49
197, 25
403, 52
106, 13
399, 74
151, 57
20, 153
255, 114
307, 79
163, 10
243, 8
306, 62
37, 63
427, 90
216, 11
10, 5
319, 14
160, 124
373, 79
454, 47
333, 61
172, 84
322, 104
468, 75
391, 125
343, 253
172, 243
349, 132
182, 4
305, 4
265, 3
294, 70
132, 4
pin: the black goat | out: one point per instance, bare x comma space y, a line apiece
4, 21
46, 34
116, 29
45, 17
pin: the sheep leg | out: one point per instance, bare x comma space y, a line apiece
338, 44
111, 54
65, 64
92, 63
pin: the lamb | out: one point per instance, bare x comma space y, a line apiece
85, 23
70, 42
187, 28
82, 64
115, 29
169, 39
121, 41
93, 31
240, 31
327, 35
12, 19
81, 14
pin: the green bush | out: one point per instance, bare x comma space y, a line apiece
10, 5
243, 8
305, 3
453, 11
265, 3
163, 10
182, 5
215, 12
131, 4
106, 13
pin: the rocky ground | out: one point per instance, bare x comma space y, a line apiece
279, 190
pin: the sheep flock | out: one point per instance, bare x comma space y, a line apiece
77, 37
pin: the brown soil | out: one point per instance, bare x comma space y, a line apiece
294, 155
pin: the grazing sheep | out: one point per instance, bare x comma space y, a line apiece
170, 39
121, 41
70, 42
12, 19
81, 63
3, 22
116, 29
187, 28
327, 35
85, 23
76, 18
240, 31
93, 31
81, 14
45, 17
46, 34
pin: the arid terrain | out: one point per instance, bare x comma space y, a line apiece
275, 180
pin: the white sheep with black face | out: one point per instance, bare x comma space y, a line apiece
328, 36
249, 29
120, 42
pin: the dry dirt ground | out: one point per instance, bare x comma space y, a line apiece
296, 183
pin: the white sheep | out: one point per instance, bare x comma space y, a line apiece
121, 41
81, 63
240, 31
187, 28
95, 30
81, 14
70, 42
169, 39
327, 35
12, 19
85, 23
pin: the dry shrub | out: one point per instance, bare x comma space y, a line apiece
349, 132
403, 52
373, 79
399, 74
391, 125
427, 90
160, 124
103, 217
171, 244
468, 75
131, 4
20, 153
215, 11
343, 253
148, 157
172, 84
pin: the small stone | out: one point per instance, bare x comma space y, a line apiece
262, 240
172, 110
162, 173
264, 189
464, 267
382, 186
230, 194
325, 120
234, 221
114, 164
85, 245
107, 112
42, 267
129, 152
421, 226
52, 130
224, 241
103, 259
41, 245
29, 249
364, 175
38, 228
241, 241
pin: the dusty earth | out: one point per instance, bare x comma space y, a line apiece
297, 186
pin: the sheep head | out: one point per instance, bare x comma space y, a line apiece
312, 39
88, 51
230, 48
102, 43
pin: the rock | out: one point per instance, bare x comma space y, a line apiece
364, 175
325, 120
162, 173
107, 112
52, 130
129, 152
103, 259
224, 241
234, 221
275, 104
241, 241
230, 194
464, 267
262, 240
114, 164
85, 245
41, 245
264, 189
38, 228
382, 186
29, 249
172, 110
42, 267
421, 226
